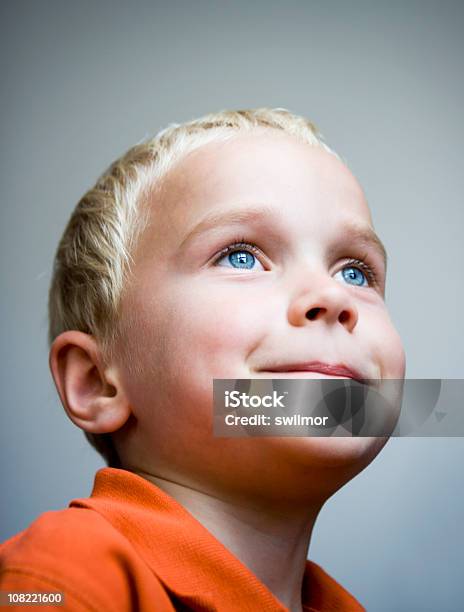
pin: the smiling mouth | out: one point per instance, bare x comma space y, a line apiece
317, 370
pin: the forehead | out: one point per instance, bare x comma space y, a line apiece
267, 163
305, 184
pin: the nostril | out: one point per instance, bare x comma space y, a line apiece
344, 316
312, 314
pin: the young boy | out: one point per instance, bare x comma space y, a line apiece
234, 246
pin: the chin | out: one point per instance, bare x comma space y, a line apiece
345, 450
343, 455
312, 469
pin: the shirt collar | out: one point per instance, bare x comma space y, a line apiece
190, 562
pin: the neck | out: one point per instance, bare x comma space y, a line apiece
272, 542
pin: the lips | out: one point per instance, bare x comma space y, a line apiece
339, 370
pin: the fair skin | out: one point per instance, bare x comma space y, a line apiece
190, 315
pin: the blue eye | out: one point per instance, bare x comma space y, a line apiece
239, 258
242, 259
354, 276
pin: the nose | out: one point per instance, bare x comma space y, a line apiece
329, 303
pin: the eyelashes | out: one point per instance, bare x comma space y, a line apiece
241, 244
365, 267
238, 245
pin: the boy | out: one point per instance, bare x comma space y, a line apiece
235, 246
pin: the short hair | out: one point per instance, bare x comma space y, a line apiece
93, 260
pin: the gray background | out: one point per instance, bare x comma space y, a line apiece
83, 81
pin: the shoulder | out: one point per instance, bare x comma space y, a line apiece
322, 592
78, 552
70, 536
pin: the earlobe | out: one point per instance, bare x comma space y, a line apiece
91, 392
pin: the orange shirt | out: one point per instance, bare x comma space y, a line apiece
130, 546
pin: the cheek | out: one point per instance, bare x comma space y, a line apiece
388, 347
395, 357
183, 339
215, 327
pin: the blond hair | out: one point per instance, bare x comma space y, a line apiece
93, 260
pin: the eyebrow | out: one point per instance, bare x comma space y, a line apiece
231, 217
364, 235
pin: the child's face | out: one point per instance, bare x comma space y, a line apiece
196, 315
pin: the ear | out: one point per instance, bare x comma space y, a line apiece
91, 393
